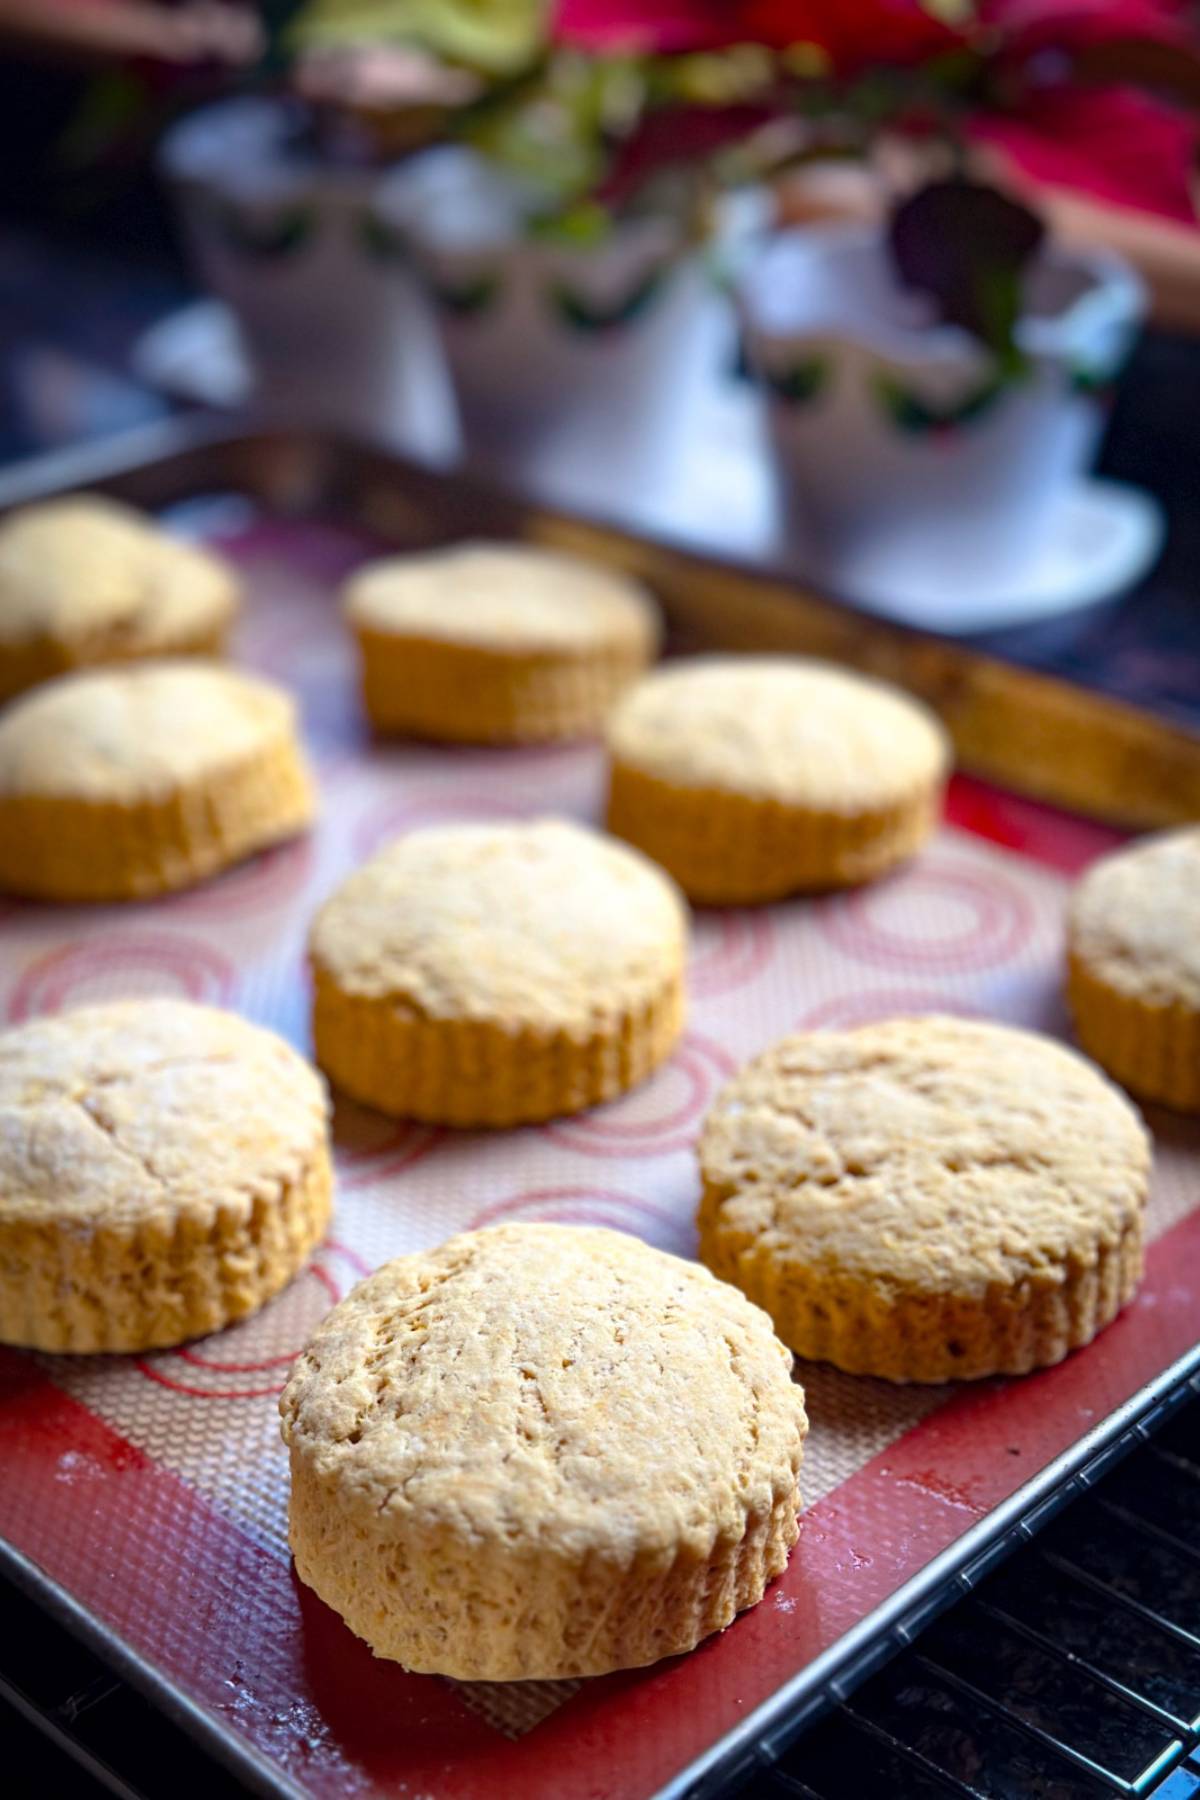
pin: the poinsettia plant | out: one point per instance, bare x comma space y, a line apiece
604, 106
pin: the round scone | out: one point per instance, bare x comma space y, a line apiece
497, 643
85, 580
164, 1169
541, 1452
497, 974
926, 1199
1133, 966
753, 777
123, 783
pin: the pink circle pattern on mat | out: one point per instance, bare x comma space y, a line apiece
870, 1006
201, 1374
588, 1206
110, 968
999, 920
266, 880
730, 949
369, 1147
658, 1117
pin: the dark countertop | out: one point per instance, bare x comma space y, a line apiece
70, 312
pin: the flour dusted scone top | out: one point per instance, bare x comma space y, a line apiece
1133, 940
129, 734
85, 580
497, 642
488, 974
541, 1451
509, 598
125, 782
164, 1169
539, 924
926, 1198
752, 777
779, 728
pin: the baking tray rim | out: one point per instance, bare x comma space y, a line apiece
1078, 748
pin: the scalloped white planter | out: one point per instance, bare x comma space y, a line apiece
556, 351
891, 433
334, 318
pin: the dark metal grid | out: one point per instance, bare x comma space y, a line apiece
1070, 1672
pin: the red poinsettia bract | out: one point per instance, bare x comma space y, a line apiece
851, 33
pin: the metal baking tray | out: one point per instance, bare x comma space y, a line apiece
153, 1532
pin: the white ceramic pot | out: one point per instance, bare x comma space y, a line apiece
334, 318
891, 433
556, 351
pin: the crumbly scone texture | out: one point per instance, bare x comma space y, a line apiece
542, 1452
497, 974
497, 643
752, 777
164, 1169
123, 783
85, 581
926, 1199
1133, 961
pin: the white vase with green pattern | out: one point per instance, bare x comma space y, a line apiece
891, 433
550, 342
335, 320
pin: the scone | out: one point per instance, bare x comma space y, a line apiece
164, 1169
541, 1452
85, 580
497, 974
123, 783
753, 777
926, 1199
497, 643
1133, 966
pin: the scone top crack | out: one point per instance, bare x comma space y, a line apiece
541, 925
508, 599
118, 1114
542, 1452
164, 1170
926, 1154
103, 580
926, 1199
555, 1386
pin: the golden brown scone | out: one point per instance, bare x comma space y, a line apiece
497, 643
123, 783
926, 1199
497, 974
541, 1452
85, 581
752, 777
1133, 966
164, 1169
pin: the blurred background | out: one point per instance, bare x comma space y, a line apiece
902, 296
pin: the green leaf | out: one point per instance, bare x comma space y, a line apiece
799, 384
587, 315
470, 297
919, 417
495, 37
382, 242
581, 225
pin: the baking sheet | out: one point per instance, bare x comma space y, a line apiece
153, 1489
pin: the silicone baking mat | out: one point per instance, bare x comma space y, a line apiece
153, 1489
